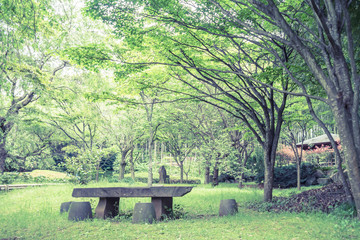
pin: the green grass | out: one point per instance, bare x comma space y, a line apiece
33, 213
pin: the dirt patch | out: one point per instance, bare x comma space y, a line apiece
322, 199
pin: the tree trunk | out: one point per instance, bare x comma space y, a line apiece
298, 173
97, 171
216, 175
131, 160
122, 170
123, 165
348, 137
181, 165
207, 173
155, 157
269, 164
241, 180
268, 179
150, 175
243, 165
344, 181
242, 168
3, 156
162, 152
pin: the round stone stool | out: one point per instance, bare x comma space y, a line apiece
79, 211
144, 213
65, 207
228, 207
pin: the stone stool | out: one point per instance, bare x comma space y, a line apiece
79, 211
144, 213
65, 207
228, 207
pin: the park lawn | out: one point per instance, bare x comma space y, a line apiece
33, 213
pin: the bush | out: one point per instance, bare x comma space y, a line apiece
40, 179
82, 179
255, 163
226, 177
285, 177
7, 178
128, 180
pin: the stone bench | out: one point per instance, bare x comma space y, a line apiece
108, 206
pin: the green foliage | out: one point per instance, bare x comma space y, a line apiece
194, 34
92, 57
178, 212
7, 178
285, 177
82, 168
255, 163
128, 180
345, 211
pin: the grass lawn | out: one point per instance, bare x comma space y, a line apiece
33, 213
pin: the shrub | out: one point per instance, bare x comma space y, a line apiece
82, 179
226, 177
7, 178
128, 180
40, 179
285, 177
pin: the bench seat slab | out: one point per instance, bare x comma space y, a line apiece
132, 192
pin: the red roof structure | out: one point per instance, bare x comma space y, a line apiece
319, 141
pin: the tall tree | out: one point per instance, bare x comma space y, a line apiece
214, 66
125, 130
213, 143
321, 33
296, 124
242, 141
176, 134
77, 118
26, 65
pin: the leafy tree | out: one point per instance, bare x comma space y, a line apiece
28, 30
125, 130
30, 140
177, 135
210, 69
212, 141
242, 141
296, 124
320, 32
78, 121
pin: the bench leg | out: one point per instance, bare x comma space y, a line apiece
107, 207
163, 206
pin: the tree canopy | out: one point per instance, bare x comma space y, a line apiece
212, 80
